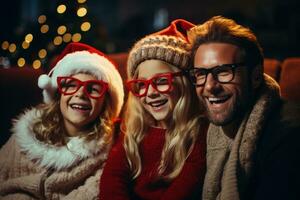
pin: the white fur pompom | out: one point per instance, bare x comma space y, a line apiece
44, 81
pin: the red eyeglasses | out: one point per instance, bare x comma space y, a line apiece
93, 88
161, 83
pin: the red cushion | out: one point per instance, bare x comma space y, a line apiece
120, 60
272, 67
19, 90
290, 79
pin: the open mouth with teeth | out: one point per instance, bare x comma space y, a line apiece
158, 104
217, 100
80, 107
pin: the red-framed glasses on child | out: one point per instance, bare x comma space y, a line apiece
68, 85
161, 83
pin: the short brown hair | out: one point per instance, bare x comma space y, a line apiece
224, 30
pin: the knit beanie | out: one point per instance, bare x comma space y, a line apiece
78, 57
169, 45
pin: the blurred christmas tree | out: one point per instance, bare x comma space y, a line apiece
35, 43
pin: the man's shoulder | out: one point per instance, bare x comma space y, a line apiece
285, 115
282, 126
290, 113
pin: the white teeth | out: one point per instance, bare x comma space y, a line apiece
82, 107
213, 99
158, 103
217, 99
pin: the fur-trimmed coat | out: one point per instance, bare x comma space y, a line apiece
30, 169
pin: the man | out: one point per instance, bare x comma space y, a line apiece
252, 141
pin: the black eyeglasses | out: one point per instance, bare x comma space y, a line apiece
222, 73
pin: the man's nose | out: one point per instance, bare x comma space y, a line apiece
211, 83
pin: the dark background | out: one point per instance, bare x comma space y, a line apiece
117, 24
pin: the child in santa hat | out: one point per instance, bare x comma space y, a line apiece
162, 154
57, 150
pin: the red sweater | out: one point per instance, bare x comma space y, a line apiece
116, 182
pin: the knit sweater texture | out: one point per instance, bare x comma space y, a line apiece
31, 169
117, 183
233, 170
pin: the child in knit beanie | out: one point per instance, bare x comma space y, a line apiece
58, 149
162, 153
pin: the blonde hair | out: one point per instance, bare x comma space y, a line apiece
49, 128
180, 137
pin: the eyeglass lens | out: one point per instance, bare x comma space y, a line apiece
222, 74
161, 83
93, 88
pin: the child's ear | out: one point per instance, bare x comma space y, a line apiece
257, 76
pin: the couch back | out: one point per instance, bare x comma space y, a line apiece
289, 80
19, 90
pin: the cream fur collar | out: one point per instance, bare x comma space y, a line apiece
50, 156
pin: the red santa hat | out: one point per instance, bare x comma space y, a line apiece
78, 57
170, 45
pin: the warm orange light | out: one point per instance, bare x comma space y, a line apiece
25, 45
29, 37
21, 62
61, 8
44, 28
76, 37
85, 26
36, 64
42, 53
42, 19
67, 37
5, 45
81, 12
61, 29
57, 40
12, 48
81, 1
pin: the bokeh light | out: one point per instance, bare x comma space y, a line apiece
81, 12
25, 45
12, 48
61, 8
61, 30
44, 28
29, 37
21, 62
57, 40
76, 37
67, 37
36, 64
42, 19
5, 45
42, 53
85, 26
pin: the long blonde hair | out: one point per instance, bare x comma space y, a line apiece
180, 137
49, 127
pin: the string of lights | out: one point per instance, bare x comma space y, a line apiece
34, 48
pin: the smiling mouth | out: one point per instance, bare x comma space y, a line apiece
157, 104
80, 107
217, 100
